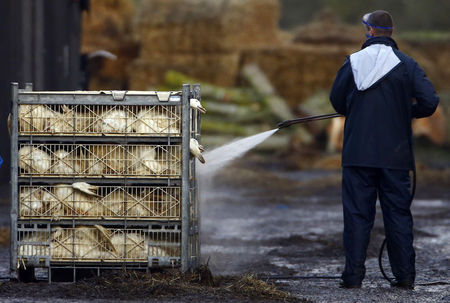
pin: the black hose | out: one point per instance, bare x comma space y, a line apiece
281, 277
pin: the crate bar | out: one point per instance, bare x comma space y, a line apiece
106, 222
112, 139
197, 197
112, 181
14, 179
185, 210
194, 232
92, 99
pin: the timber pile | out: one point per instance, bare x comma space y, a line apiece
241, 112
200, 38
107, 26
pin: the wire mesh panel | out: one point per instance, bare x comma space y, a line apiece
97, 120
34, 243
99, 244
99, 160
84, 201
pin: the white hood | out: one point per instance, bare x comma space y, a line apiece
371, 64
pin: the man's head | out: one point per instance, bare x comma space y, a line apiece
378, 23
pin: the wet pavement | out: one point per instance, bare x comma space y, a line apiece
291, 226
271, 221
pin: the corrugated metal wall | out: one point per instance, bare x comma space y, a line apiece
39, 43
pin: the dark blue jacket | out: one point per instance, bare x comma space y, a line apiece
375, 90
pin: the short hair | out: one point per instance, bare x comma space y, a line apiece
381, 22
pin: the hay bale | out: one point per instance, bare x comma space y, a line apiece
299, 71
206, 26
108, 26
434, 127
326, 28
220, 69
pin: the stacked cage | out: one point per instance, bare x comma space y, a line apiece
103, 180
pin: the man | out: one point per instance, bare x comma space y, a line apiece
375, 90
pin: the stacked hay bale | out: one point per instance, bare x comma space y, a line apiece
200, 38
107, 26
309, 63
298, 71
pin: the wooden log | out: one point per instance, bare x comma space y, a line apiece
237, 113
278, 106
255, 76
216, 126
173, 80
317, 104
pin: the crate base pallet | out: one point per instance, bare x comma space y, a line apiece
96, 247
77, 272
103, 181
45, 243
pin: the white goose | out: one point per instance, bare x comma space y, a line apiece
86, 188
195, 104
196, 150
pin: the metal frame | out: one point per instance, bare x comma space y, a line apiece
190, 248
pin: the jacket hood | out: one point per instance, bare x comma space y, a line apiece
373, 62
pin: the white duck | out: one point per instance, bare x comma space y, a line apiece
151, 122
35, 118
144, 161
86, 188
114, 121
78, 198
196, 150
34, 160
195, 104
64, 163
31, 203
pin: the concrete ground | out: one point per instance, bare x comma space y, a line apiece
260, 218
275, 222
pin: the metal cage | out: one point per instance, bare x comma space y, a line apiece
99, 160
63, 201
99, 120
103, 179
99, 244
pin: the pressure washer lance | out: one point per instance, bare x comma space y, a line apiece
288, 123
307, 119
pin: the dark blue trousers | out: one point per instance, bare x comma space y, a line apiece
360, 187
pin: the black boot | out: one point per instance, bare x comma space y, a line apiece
347, 285
405, 284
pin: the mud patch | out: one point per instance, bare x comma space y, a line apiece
171, 284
